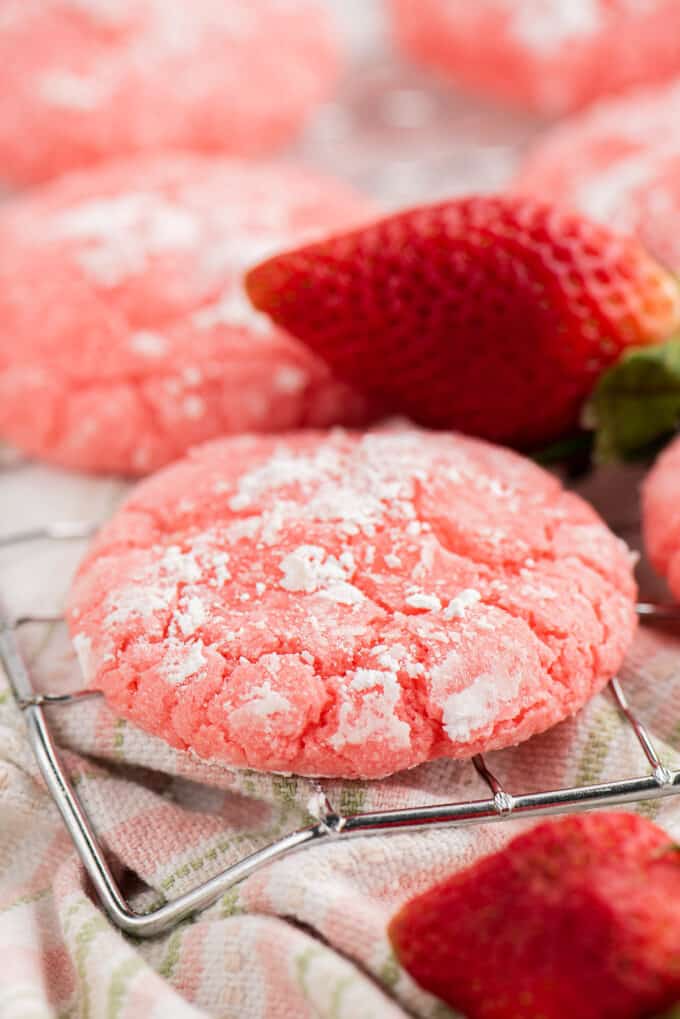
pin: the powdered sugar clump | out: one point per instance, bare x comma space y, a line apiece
461, 603
182, 662
478, 704
148, 344
371, 714
193, 617
420, 600
266, 701
309, 568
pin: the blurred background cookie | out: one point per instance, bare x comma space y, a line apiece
661, 515
619, 163
125, 336
88, 80
550, 56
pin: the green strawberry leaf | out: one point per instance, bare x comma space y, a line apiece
573, 453
673, 1013
577, 445
635, 407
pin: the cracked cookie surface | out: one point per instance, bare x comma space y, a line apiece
351, 604
125, 334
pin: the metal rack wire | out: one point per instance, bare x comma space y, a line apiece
659, 780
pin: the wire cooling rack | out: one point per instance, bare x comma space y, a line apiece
658, 781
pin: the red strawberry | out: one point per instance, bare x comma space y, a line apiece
494, 315
575, 919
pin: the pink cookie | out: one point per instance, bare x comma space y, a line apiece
550, 56
125, 335
348, 605
87, 80
661, 515
618, 163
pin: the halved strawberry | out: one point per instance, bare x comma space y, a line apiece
494, 315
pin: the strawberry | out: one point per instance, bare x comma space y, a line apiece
575, 918
494, 315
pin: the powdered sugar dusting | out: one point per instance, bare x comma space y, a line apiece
123, 232
234, 309
283, 468
148, 344
193, 617
71, 91
289, 379
358, 504
193, 406
179, 566
136, 600
544, 26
